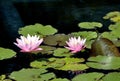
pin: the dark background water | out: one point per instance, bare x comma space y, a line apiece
61, 14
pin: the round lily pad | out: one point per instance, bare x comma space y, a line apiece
114, 76
37, 29
31, 75
104, 62
90, 25
6, 53
88, 77
62, 52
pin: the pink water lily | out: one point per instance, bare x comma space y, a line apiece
29, 43
75, 44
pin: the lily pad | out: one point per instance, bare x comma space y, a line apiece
88, 77
111, 15
62, 52
109, 35
59, 79
73, 64
74, 67
31, 75
90, 25
60, 64
114, 76
58, 39
6, 53
37, 29
89, 35
104, 62
47, 49
115, 19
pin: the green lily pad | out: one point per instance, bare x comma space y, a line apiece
58, 39
85, 34
47, 49
73, 64
104, 62
62, 52
60, 63
90, 25
39, 64
114, 76
31, 75
109, 36
115, 19
6, 53
37, 29
88, 77
89, 35
111, 14
74, 67
59, 79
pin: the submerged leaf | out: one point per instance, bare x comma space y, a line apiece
104, 62
58, 39
6, 53
90, 25
88, 77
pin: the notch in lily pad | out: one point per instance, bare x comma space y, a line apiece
90, 25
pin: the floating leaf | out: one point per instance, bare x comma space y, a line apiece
31, 75
109, 35
62, 52
58, 39
85, 34
39, 63
89, 35
37, 29
90, 25
115, 19
2, 77
47, 49
111, 14
73, 64
6, 53
114, 76
59, 79
88, 77
74, 67
104, 46
60, 63
104, 62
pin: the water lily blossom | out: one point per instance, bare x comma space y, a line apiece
29, 43
75, 44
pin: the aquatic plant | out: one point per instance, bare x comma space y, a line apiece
74, 56
29, 43
75, 44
